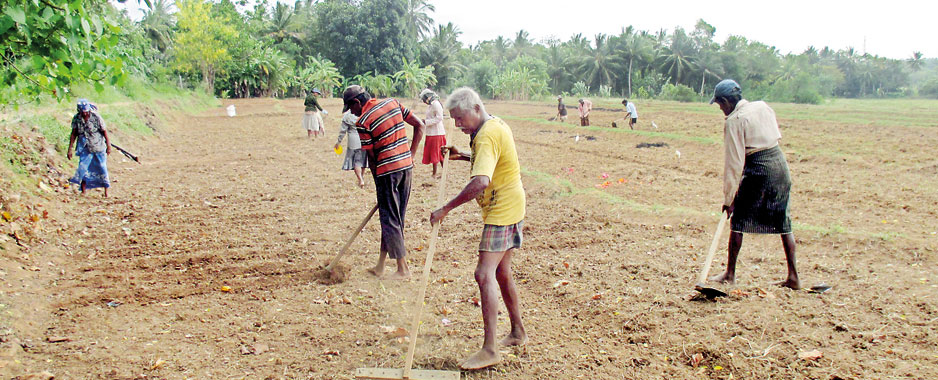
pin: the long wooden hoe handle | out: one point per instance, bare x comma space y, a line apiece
705, 269
409, 363
335, 260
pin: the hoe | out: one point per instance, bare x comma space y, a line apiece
705, 269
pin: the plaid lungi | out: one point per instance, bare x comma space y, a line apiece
761, 204
501, 238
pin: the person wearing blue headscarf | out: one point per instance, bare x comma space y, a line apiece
90, 141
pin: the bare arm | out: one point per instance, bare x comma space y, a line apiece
71, 144
473, 189
418, 132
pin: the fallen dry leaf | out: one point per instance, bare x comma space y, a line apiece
810, 355
597, 296
245, 350
696, 359
739, 293
560, 283
159, 363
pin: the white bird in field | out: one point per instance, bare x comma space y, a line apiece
577, 138
654, 125
678, 154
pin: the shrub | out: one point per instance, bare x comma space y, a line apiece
929, 89
679, 93
580, 89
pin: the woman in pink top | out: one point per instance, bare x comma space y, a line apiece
435, 132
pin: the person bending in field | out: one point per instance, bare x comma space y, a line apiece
584, 110
495, 183
381, 130
757, 181
561, 109
631, 114
355, 158
89, 137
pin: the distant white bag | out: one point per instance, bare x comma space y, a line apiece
231, 111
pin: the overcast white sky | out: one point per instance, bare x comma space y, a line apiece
892, 29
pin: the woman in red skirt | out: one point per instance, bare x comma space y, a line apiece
435, 132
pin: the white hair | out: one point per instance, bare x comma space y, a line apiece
465, 99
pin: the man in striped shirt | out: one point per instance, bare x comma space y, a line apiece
383, 137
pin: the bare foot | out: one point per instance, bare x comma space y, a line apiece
377, 271
514, 340
398, 275
793, 284
725, 278
483, 358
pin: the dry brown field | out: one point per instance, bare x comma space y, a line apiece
605, 276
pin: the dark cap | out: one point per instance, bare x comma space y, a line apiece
726, 87
350, 93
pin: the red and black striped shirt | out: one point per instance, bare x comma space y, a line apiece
381, 129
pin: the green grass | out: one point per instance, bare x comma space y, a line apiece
9, 149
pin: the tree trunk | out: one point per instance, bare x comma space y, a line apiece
703, 80
630, 77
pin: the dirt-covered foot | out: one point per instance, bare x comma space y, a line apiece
791, 283
377, 271
514, 340
399, 275
481, 359
725, 278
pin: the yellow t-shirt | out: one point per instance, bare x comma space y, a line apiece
494, 156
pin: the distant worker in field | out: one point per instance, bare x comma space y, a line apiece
631, 114
90, 141
436, 132
584, 109
495, 183
312, 120
390, 157
355, 158
757, 181
561, 110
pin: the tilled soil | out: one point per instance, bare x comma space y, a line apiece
606, 273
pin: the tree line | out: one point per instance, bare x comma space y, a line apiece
394, 47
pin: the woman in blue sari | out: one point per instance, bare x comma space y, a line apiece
93, 147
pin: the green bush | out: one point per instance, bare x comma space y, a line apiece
679, 93
929, 89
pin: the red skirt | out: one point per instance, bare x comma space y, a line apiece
431, 149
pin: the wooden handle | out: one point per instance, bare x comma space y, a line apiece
335, 260
705, 269
415, 325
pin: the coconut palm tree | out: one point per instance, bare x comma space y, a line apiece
601, 63
441, 52
678, 57
522, 44
158, 23
418, 18
283, 24
916, 61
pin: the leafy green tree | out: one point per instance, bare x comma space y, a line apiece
366, 36
51, 45
378, 85
201, 43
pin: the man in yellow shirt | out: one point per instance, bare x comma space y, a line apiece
496, 185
